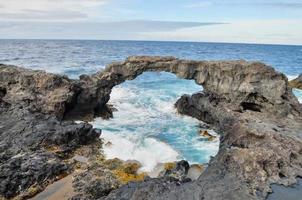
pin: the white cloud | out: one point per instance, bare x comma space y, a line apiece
200, 4
247, 31
240, 31
289, 4
90, 30
47, 9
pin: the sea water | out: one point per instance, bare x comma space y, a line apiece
146, 126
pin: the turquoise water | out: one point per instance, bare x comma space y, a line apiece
146, 126
298, 94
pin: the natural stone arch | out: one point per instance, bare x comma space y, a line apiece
244, 85
246, 101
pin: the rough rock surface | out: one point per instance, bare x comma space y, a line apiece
179, 171
34, 142
48, 93
33, 147
296, 83
95, 183
248, 85
28, 172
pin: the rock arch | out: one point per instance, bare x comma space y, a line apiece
254, 108
243, 85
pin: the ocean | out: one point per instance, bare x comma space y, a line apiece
146, 126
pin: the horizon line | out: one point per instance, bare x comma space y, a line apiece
138, 40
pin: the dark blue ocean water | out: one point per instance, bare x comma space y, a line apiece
77, 57
146, 126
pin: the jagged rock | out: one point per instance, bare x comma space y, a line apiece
33, 146
248, 85
33, 140
102, 176
21, 172
181, 170
37, 90
58, 95
257, 148
22, 130
95, 183
296, 83
152, 188
178, 171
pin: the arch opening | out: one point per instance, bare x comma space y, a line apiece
146, 126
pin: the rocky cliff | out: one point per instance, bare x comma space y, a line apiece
248, 103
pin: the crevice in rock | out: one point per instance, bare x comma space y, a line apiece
2, 92
251, 106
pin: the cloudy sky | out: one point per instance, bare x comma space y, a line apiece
248, 21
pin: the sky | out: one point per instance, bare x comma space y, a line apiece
238, 21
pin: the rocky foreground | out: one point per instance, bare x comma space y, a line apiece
249, 103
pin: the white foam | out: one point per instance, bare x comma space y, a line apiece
149, 151
292, 77
165, 107
143, 118
298, 94
127, 145
118, 94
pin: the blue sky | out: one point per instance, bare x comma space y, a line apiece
247, 21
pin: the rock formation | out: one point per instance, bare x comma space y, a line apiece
248, 103
53, 94
296, 83
253, 108
34, 142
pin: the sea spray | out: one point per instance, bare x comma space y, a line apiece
146, 126
298, 94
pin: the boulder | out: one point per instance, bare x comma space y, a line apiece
178, 171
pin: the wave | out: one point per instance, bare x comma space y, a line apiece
148, 151
298, 94
148, 129
291, 77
